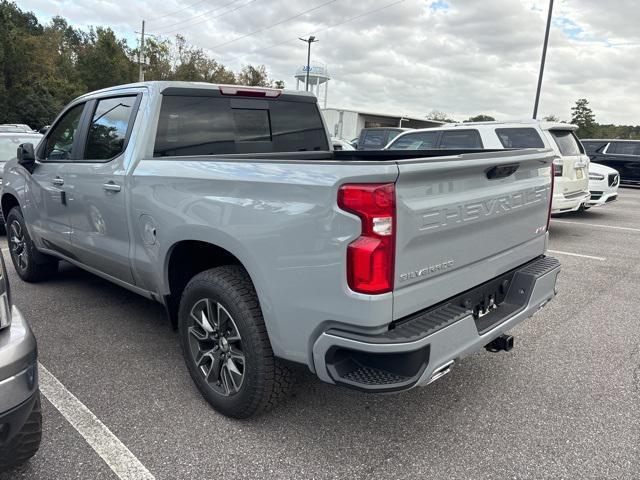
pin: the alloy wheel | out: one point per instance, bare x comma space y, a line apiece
216, 347
18, 245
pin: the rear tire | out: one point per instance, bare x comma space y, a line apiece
26, 443
225, 344
31, 265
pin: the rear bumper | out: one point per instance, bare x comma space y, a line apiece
18, 363
565, 203
420, 350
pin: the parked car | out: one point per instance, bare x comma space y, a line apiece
227, 205
603, 185
622, 155
9, 143
19, 126
377, 138
340, 144
571, 163
20, 415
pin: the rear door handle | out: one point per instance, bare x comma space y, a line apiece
111, 187
57, 181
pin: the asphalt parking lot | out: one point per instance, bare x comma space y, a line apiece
565, 403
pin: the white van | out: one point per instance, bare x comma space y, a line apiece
571, 167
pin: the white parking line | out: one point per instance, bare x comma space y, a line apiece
591, 257
596, 225
119, 458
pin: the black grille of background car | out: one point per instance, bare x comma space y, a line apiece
614, 178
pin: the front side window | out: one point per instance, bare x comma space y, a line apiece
567, 142
460, 139
59, 143
519, 138
108, 128
416, 141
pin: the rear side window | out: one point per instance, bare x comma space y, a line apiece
625, 148
416, 141
519, 138
454, 139
210, 126
108, 128
373, 139
567, 142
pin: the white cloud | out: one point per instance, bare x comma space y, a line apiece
463, 57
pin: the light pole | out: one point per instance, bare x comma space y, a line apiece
308, 41
544, 57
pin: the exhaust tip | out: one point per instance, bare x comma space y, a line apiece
441, 371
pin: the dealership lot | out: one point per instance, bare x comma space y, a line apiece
565, 403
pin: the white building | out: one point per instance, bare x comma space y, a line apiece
347, 124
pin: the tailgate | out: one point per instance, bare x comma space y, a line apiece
462, 220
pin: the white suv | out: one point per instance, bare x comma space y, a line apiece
571, 165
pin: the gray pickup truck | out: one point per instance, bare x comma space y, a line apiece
375, 270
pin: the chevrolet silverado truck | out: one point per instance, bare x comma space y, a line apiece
375, 270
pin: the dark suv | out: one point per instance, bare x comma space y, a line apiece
623, 155
20, 416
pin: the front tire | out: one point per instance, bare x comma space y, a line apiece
31, 265
26, 442
225, 344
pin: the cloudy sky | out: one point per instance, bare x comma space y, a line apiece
462, 57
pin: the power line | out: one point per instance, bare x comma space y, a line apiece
164, 31
178, 11
291, 40
273, 25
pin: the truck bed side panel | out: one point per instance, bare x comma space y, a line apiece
280, 219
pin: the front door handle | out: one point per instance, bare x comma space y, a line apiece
111, 186
57, 181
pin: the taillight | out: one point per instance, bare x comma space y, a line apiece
557, 167
553, 181
370, 258
249, 91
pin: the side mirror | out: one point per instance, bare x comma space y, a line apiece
27, 156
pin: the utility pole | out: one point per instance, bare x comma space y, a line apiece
544, 57
141, 56
309, 41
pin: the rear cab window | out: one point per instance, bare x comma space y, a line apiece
460, 139
567, 142
519, 138
209, 125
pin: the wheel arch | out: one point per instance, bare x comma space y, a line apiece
7, 203
188, 257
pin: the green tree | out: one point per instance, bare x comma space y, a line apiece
480, 118
438, 116
584, 118
104, 60
254, 76
279, 84
551, 118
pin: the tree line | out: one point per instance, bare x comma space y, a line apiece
43, 67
